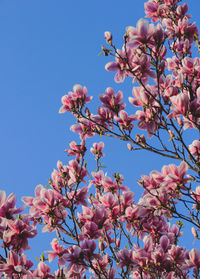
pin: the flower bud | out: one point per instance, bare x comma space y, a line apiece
194, 232
87, 112
129, 146
179, 121
108, 37
171, 134
118, 243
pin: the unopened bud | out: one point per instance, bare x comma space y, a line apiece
171, 134
118, 243
130, 147
108, 37
180, 121
105, 51
87, 112
194, 232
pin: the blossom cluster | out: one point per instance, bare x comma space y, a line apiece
102, 229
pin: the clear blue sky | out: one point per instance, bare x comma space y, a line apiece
45, 48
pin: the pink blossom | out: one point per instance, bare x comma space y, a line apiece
15, 265
195, 148
112, 101
76, 261
171, 2
126, 259
75, 272
194, 257
59, 178
76, 149
59, 251
127, 199
125, 121
141, 35
78, 197
158, 37
88, 247
186, 29
182, 9
18, 233
194, 108
133, 64
151, 10
49, 205
8, 205
91, 231
98, 178
85, 128
119, 66
152, 181
196, 194
164, 242
173, 63
169, 89
108, 201
112, 186
182, 47
77, 172
131, 213
97, 215
181, 103
190, 121
142, 97
111, 202
43, 271
148, 120
175, 175
141, 68
103, 118
190, 66
95, 221
97, 149
75, 100
105, 114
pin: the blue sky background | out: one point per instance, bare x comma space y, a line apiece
46, 47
